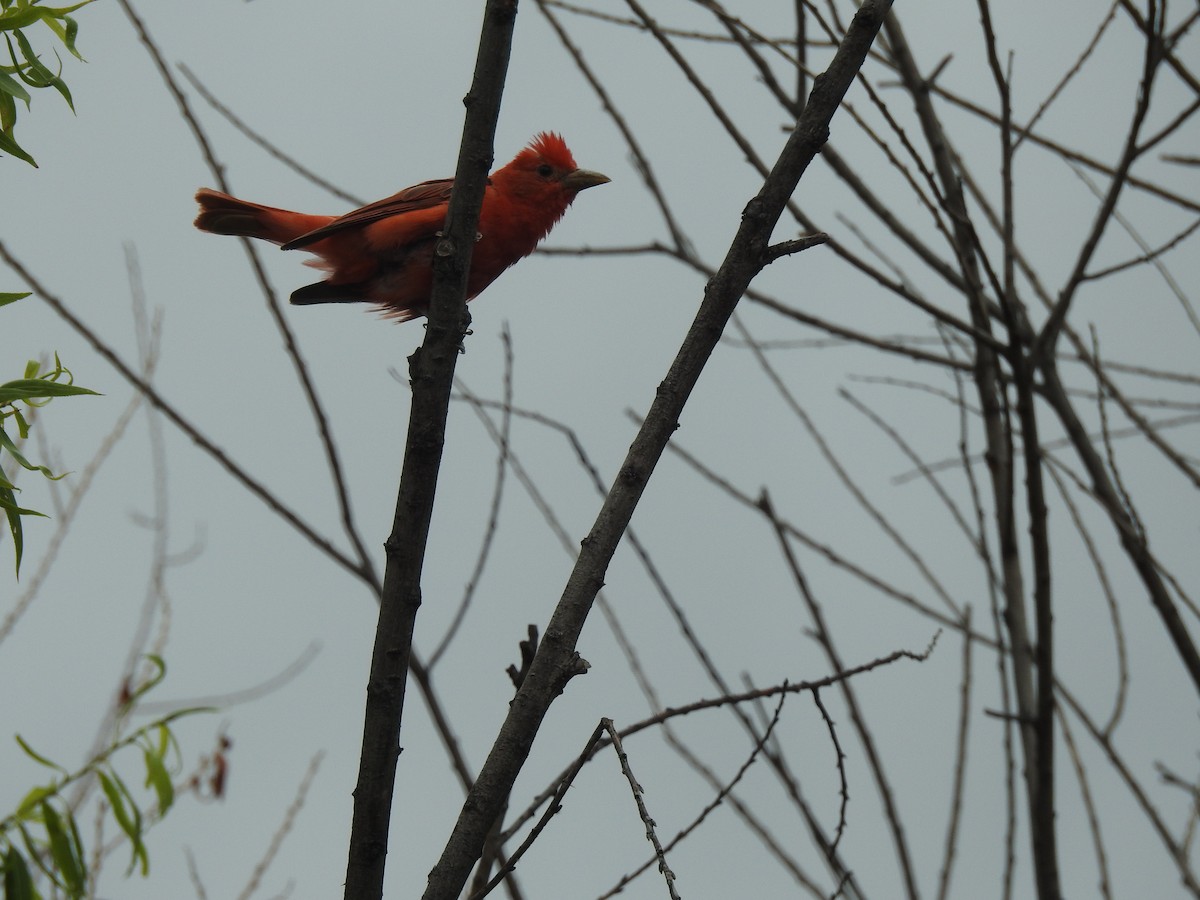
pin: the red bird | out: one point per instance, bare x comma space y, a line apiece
383, 252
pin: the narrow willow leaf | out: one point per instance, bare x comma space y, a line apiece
160, 672
37, 757
14, 451
16, 529
12, 148
59, 11
21, 18
33, 800
19, 68
66, 28
18, 883
35, 850
129, 817
66, 856
13, 88
6, 299
22, 424
38, 74
26, 15
8, 501
23, 389
8, 107
159, 778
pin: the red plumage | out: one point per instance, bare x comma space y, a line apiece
382, 253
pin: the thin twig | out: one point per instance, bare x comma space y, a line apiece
493, 520
790, 687
273, 150
284, 829
364, 567
643, 813
725, 792
160, 403
1089, 805
874, 760
960, 764
840, 757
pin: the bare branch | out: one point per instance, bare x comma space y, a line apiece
431, 368
557, 660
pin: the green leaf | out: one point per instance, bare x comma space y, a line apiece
9, 145
19, 68
6, 299
39, 74
23, 389
33, 800
66, 854
155, 679
66, 29
34, 849
27, 14
32, 63
128, 816
8, 501
77, 841
8, 106
22, 17
159, 778
13, 513
18, 883
22, 425
59, 11
6, 443
37, 757
30, 69
13, 88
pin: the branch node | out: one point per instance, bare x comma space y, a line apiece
797, 245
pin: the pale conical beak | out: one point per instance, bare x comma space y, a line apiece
581, 179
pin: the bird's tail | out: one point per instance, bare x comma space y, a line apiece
223, 214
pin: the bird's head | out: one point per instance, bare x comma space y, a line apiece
546, 169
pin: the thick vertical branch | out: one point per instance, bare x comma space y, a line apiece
431, 369
557, 660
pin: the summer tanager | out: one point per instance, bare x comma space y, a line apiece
383, 252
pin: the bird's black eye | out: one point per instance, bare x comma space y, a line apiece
544, 170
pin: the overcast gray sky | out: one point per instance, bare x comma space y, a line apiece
369, 95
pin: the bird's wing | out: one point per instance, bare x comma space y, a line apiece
425, 195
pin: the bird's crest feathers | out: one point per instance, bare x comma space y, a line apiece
548, 146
